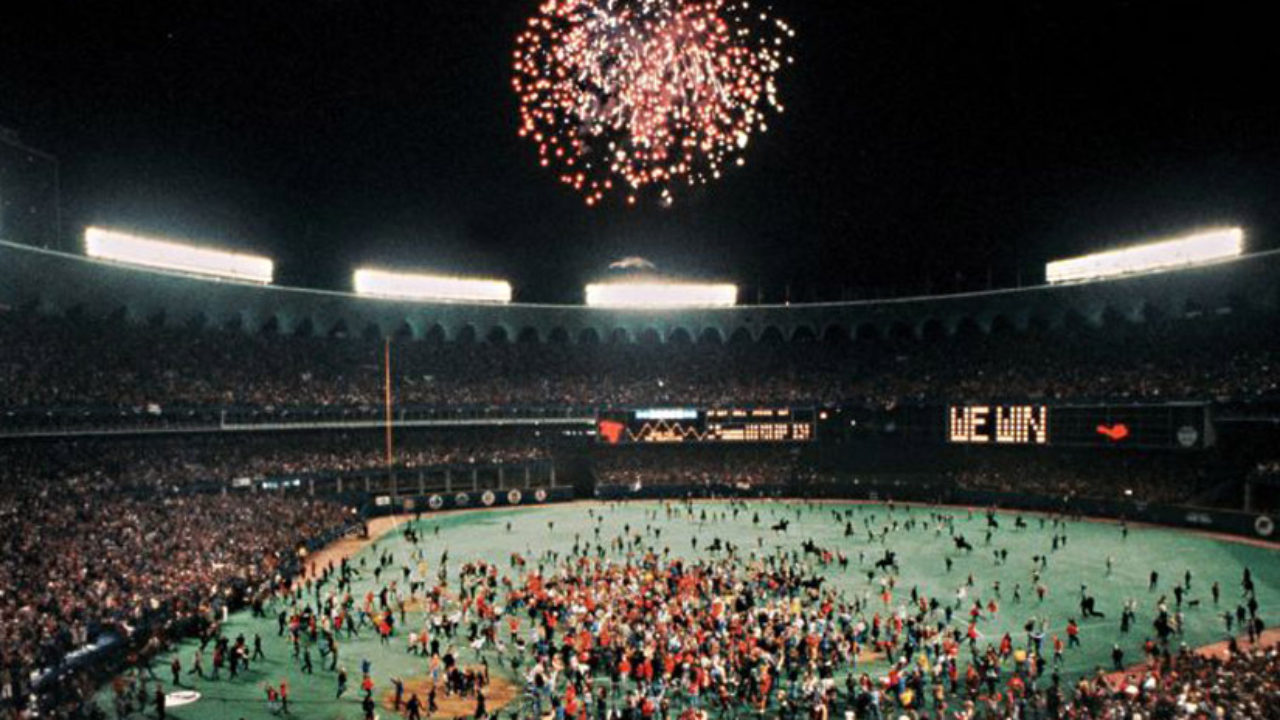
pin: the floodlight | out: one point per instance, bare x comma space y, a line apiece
1171, 254
661, 295
178, 257
411, 286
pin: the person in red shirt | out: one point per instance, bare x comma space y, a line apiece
1017, 688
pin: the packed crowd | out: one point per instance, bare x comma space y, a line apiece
162, 465
1069, 476
81, 562
738, 468
1238, 682
65, 362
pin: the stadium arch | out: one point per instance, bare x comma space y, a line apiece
901, 331
867, 332
270, 326
933, 330
711, 335
1037, 323
338, 329
1111, 319
968, 328
771, 335
198, 321
835, 333
803, 333
649, 336
1001, 326
498, 335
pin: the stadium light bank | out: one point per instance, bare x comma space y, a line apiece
1197, 249
430, 288
159, 254
661, 295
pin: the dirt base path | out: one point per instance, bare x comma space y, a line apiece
337, 551
1269, 637
497, 695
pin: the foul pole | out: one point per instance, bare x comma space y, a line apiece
386, 382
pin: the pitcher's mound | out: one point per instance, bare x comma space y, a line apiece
499, 692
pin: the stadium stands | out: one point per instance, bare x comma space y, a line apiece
112, 532
75, 365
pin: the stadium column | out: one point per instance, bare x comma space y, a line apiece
448, 480
528, 476
475, 480
502, 479
422, 480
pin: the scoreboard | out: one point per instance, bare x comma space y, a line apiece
1174, 426
706, 425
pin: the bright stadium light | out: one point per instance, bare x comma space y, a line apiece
166, 255
409, 286
660, 295
1180, 252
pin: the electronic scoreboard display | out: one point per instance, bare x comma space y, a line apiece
1177, 426
712, 425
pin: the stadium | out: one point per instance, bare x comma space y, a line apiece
231, 489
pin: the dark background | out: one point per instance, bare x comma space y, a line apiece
927, 146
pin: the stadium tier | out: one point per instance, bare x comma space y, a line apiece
119, 346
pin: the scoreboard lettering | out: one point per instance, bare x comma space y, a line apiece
998, 424
1182, 426
715, 425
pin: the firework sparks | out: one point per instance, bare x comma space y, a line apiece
638, 97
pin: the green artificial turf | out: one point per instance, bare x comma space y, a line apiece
481, 534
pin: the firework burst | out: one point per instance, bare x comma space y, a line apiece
639, 97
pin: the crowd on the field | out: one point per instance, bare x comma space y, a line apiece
622, 628
80, 560
68, 362
1241, 683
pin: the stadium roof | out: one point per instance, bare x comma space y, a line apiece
57, 282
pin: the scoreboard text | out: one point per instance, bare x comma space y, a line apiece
999, 424
1181, 426
715, 425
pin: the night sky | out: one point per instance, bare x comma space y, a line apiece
927, 146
